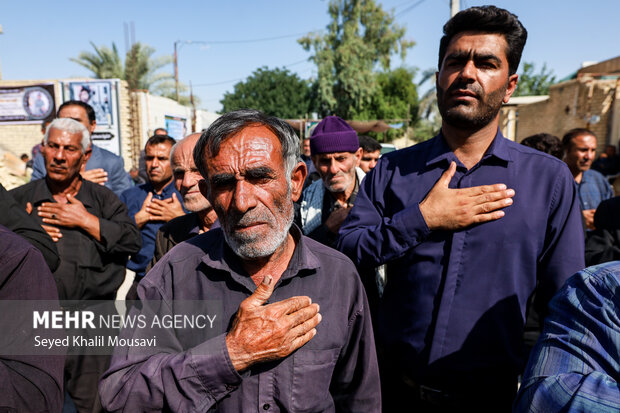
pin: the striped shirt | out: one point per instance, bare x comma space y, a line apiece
575, 366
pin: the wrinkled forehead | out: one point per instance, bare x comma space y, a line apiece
253, 146
61, 137
183, 154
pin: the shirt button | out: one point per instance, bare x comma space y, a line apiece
266, 406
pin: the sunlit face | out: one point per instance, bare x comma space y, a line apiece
157, 159
369, 160
247, 185
473, 81
63, 155
307, 147
186, 175
581, 153
79, 114
337, 169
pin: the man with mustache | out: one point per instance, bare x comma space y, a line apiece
186, 177
93, 234
273, 350
592, 187
103, 167
325, 203
469, 225
152, 204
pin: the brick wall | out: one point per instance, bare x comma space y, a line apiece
569, 106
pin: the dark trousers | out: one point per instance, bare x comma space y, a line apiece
492, 392
82, 373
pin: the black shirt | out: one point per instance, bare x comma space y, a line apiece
89, 269
15, 218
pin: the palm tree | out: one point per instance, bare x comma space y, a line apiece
140, 69
104, 63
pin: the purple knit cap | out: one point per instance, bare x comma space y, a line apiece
333, 134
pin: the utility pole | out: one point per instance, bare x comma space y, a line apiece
454, 7
176, 70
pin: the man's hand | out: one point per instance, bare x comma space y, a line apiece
588, 215
336, 218
269, 332
98, 176
71, 215
143, 216
53, 232
449, 209
165, 209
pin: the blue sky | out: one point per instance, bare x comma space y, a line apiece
40, 36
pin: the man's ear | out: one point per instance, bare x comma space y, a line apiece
298, 176
93, 125
512, 86
87, 154
358, 156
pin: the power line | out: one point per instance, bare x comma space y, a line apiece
264, 39
413, 6
238, 79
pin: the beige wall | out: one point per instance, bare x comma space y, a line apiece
569, 106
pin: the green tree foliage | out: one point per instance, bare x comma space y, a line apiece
532, 83
276, 92
105, 63
428, 121
360, 36
140, 69
396, 98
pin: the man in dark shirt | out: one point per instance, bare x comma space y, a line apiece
470, 224
273, 350
29, 383
201, 217
93, 234
17, 220
326, 202
153, 203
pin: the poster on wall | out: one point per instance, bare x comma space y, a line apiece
27, 104
176, 126
102, 95
96, 94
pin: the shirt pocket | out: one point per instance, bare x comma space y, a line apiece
312, 376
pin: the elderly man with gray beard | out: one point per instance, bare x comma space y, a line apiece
273, 350
201, 217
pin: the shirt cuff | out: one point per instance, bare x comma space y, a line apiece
211, 362
413, 224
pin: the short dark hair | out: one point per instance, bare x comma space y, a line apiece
90, 112
567, 140
157, 139
487, 19
546, 143
368, 144
233, 122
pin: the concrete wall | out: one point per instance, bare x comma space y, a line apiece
152, 111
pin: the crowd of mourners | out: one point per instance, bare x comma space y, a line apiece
420, 280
